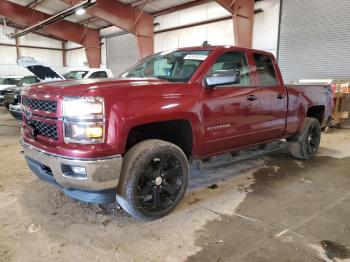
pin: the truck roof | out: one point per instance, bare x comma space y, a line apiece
220, 47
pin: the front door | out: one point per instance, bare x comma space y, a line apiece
229, 112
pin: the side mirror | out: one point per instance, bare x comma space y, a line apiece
223, 77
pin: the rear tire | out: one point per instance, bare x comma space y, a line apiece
153, 180
306, 144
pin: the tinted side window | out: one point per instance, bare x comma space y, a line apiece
235, 62
265, 71
11, 81
30, 80
99, 74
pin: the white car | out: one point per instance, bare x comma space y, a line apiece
47, 74
88, 73
6, 82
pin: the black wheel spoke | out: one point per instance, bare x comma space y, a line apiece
310, 149
174, 171
156, 199
147, 190
171, 189
163, 161
149, 172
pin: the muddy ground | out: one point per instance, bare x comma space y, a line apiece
273, 208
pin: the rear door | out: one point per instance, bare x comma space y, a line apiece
271, 103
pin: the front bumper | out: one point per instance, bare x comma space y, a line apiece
99, 185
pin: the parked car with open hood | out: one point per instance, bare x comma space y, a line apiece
6, 82
12, 95
43, 74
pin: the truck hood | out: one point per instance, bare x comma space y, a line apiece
80, 87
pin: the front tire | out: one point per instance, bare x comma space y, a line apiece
306, 144
154, 179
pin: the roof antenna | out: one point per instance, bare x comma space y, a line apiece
205, 44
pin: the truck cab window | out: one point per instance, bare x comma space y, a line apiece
265, 71
235, 62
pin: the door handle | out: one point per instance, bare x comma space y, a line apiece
251, 98
280, 96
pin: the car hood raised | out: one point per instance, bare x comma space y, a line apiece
44, 72
80, 87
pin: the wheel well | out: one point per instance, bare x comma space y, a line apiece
316, 112
178, 132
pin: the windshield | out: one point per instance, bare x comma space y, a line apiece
75, 75
9, 81
28, 81
176, 66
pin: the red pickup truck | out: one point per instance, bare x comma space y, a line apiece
131, 138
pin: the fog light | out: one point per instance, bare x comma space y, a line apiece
76, 172
79, 170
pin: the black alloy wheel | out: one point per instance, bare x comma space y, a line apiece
159, 183
313, 140
153, 180
306, 144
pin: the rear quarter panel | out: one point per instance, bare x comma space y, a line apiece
303, 97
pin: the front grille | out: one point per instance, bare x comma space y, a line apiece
44, 129
43, 105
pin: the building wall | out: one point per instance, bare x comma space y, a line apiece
77, 57
121, 53
265, 35
218, 33
54, 58
315, 40
8, 54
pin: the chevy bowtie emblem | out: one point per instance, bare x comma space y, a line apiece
27, 113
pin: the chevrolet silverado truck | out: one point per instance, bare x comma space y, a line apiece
131, 139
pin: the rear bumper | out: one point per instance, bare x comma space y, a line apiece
97, 186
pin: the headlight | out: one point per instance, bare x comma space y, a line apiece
83, 107
83, 120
